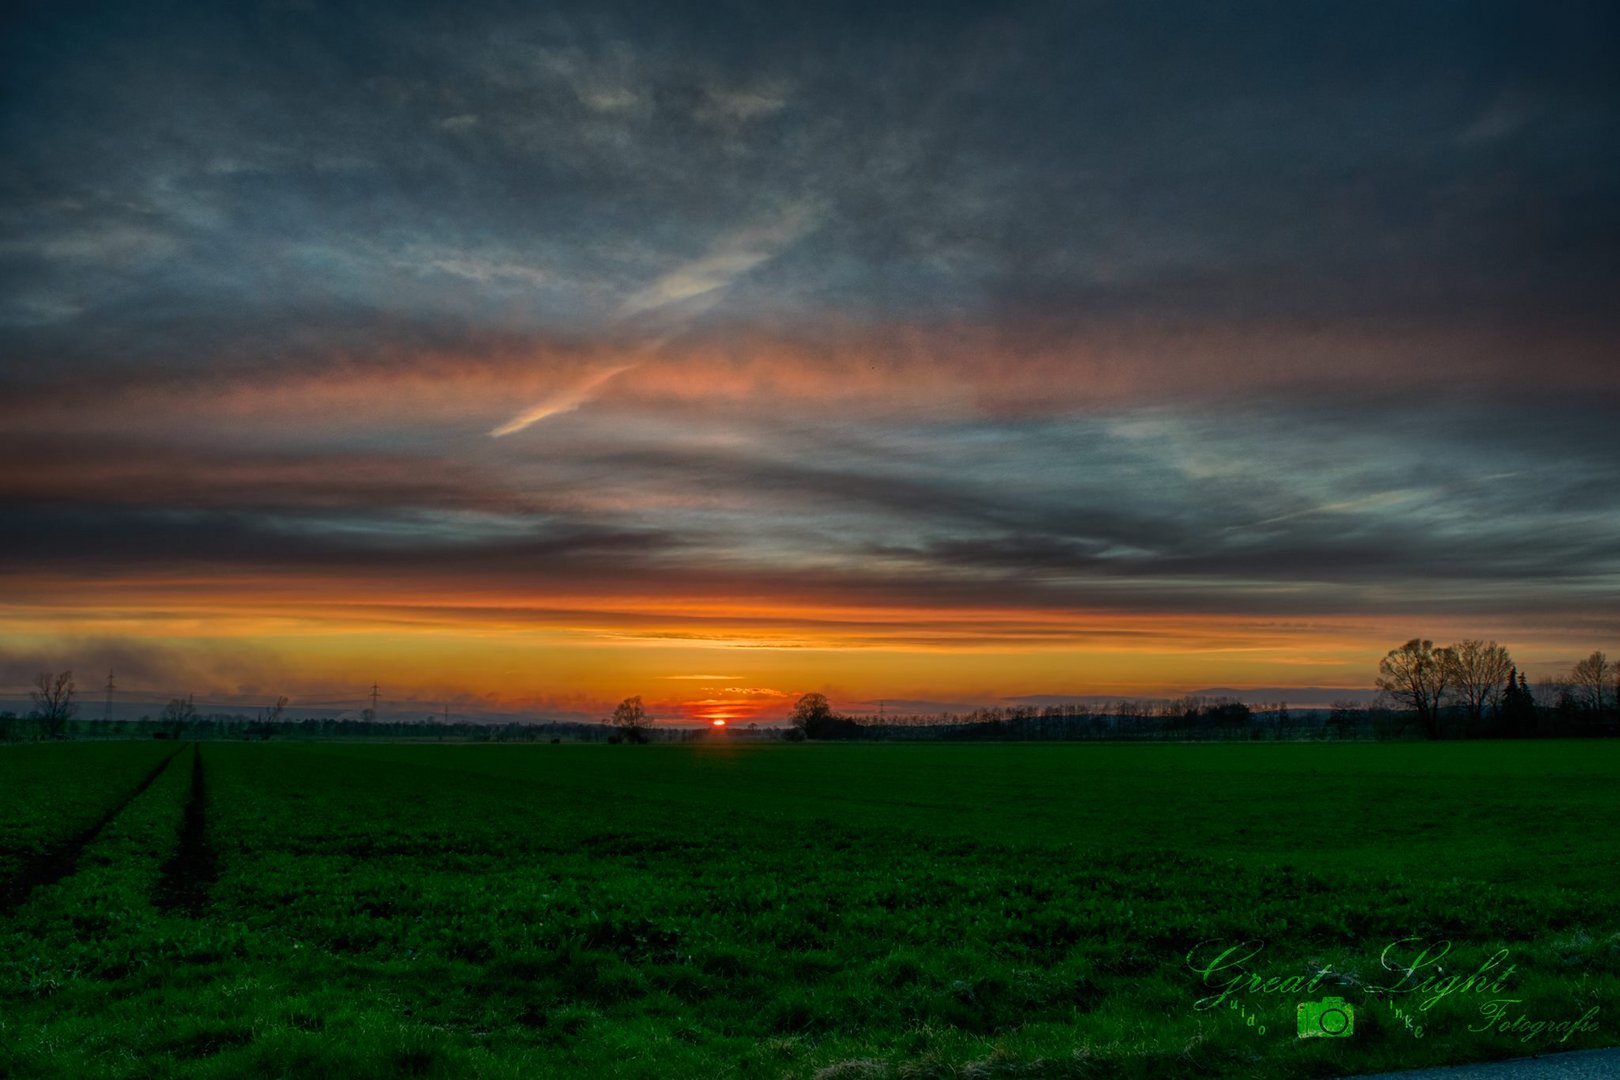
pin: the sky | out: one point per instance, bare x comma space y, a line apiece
524, 357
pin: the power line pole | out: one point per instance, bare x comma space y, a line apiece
374, 701
106, 711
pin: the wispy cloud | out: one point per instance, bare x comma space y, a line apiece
479, 268
564, 400
740, 106
707, 277
1377, 500
728, 259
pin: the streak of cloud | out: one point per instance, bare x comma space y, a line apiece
1376, 500
728, 259
562, 401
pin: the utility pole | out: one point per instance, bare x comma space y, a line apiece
374, 701
106, 711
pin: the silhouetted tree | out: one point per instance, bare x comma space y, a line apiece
1591, 677
178, 714
1415, 675
1477, 671
811, 714
1517, 708
631, 719
53, 702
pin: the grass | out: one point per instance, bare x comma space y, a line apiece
53, 790
807, 911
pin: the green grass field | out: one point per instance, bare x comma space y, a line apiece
1032, 910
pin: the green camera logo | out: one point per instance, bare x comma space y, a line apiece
1329, 1017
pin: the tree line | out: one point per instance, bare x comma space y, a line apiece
1469, 689
1474, 689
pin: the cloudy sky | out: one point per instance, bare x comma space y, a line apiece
531, 356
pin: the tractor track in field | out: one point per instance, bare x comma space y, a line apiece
61, 859
192, 871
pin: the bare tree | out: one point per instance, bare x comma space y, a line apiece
179, 713
1589, 677
53, 702
630, 717
276, 710
1415, 675
1478, 671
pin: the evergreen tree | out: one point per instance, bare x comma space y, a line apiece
1518, 710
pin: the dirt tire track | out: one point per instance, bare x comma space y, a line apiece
193, 869
61, 859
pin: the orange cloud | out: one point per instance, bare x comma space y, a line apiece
961, 369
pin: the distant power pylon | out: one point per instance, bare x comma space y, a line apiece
106, 710
374, 692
